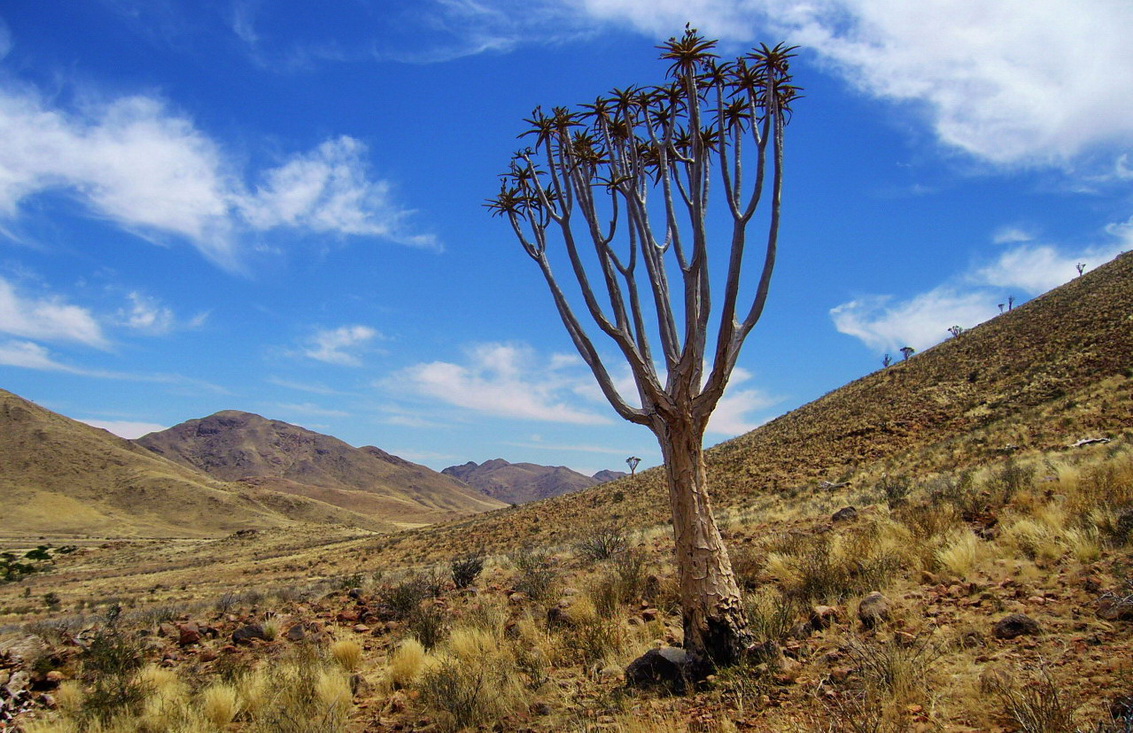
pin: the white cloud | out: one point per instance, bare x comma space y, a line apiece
150, 170
1009, 81
328, 191
334, 346
1036, 268
126, 428
47, 318
886, 324
504, 380
147, 314
27, 355
732, 415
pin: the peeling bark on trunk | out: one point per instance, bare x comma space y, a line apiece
715, 626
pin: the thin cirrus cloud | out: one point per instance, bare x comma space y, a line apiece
513, 381
47, 318
504, 380
885, 324
339, 345
150, 170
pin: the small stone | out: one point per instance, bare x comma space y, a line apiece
822, 617
188, 634
297, 632
873, 610
649, 614
361, 628
1016, 624
844, 514
55, 677
246, 634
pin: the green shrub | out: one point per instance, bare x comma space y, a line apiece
466, 569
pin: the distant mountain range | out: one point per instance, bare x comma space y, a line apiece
62, 477
519, 483
256, 451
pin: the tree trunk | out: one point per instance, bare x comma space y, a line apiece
714, 622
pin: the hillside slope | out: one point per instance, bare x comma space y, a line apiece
519, 483
62, 477
240, 446
1038, 378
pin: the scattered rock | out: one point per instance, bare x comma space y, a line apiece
188, 634
766, 652
1016, 624
844, 514
246, 634
822, 617
1112, 609
671, 668
873, 610
297, 632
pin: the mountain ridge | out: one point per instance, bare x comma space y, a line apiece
519, 483
233, 445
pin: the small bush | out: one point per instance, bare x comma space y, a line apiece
1010, 480
429, 624
605, 543
538, 574
466, 569
770, 614
898, 668
1036, 706
404, 598
895, 489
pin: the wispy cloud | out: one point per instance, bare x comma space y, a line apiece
505, 380
47, 318
149, 169
1009, 82
28, 355
885, 323
734, 413
339, 345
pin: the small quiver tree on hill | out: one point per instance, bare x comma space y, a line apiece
621, 188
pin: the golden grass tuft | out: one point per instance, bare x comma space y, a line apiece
348, 654
219, 704
406, 663
961, 552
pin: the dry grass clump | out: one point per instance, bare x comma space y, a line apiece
347, 653
219, 704
1034, 705
473, 680
830, 566
406, 663
960, 552
771, 615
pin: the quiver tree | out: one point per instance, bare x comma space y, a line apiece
621, 188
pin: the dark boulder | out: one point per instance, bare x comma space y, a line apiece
1016, 624
670, 668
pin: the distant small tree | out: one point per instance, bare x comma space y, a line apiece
956, 330
886, 360
1081, 268
1010, 302
1001, 306
632, 462
622, 185
906, 352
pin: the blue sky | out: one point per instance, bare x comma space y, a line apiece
277, 206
